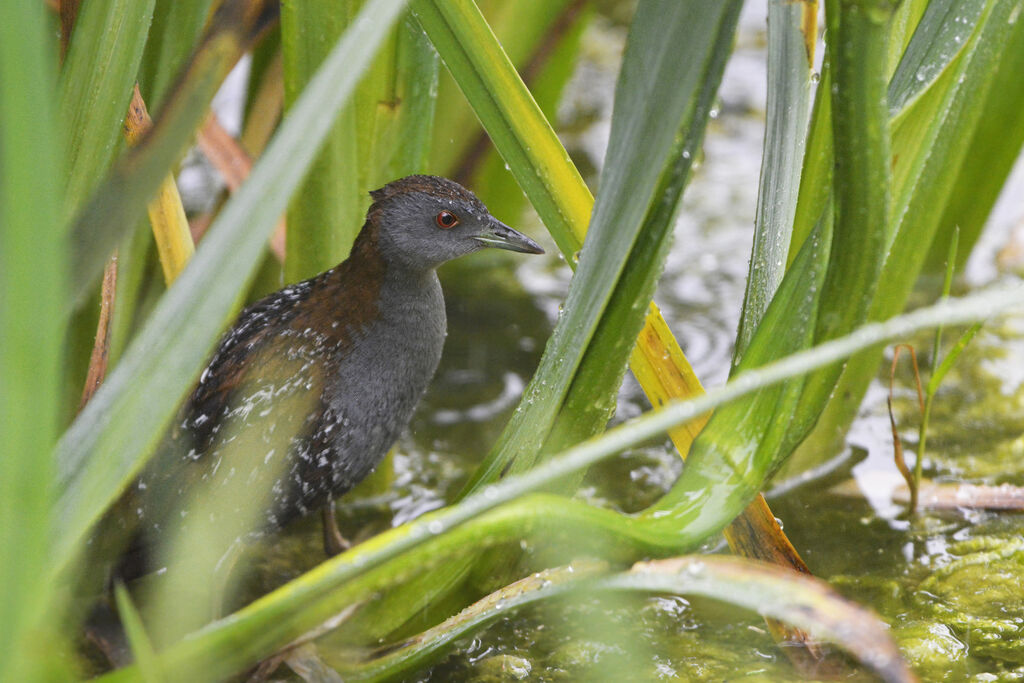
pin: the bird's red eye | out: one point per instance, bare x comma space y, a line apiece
446, 220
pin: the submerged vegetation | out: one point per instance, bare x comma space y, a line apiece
872, 164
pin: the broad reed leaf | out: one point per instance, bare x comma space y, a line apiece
904, 22
862, 149
791, 39
861, 180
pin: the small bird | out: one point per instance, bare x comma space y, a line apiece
311, 386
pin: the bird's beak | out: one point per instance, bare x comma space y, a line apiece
499, 235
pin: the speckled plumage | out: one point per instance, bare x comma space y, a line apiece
312, 385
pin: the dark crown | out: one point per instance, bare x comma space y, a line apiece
427, 184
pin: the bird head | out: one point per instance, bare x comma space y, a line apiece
424, 221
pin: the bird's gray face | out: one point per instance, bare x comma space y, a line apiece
425, 229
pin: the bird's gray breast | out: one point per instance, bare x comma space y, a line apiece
378, 383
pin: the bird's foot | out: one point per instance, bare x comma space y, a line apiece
334, 542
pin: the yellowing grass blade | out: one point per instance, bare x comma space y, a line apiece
166, 213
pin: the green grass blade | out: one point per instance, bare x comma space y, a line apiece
904, 22
995, 147
815, 195
951, 357
133, 257
325, 215
141, 646
947, 288
933, 381
790, 65
33, 257
941, 34
177, 25
863, 154
96, 86
107, 444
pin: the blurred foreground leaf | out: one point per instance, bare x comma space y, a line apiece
767, 589
33, 262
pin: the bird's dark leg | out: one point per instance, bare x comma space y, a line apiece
334, 542
104, 632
